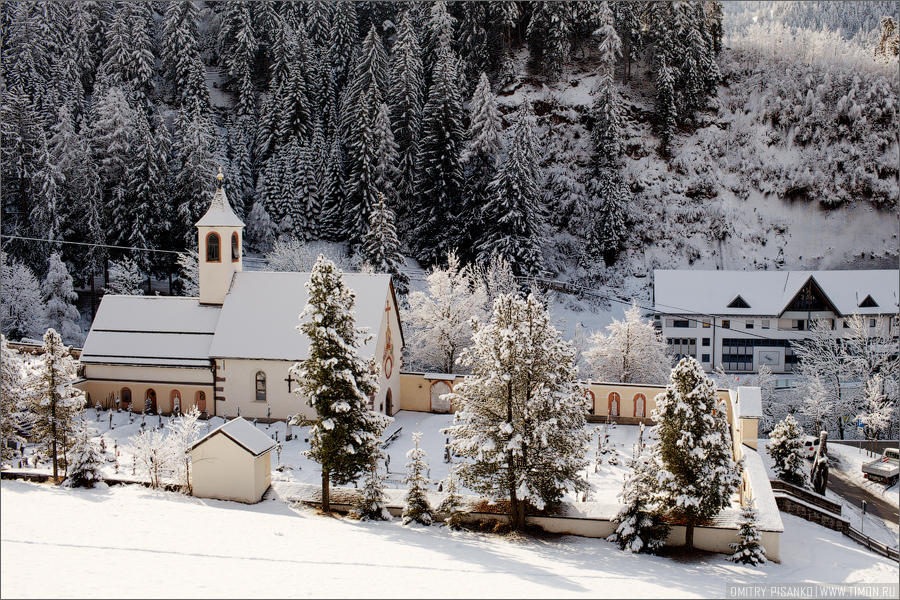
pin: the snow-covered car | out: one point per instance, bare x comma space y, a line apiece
810, 445
886, 468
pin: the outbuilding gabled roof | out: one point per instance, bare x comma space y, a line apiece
261, 313
242, 433
770, 293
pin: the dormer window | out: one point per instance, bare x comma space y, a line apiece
212, 248
738, 303
235, 248
868, 303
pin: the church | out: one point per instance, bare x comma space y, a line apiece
228, 352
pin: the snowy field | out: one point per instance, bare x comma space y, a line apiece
129, 541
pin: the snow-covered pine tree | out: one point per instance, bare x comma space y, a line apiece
514, 226
607, 231
697, 472
308, 200
125, 278
147, 191
181, 56
237, 47
607, 132
387, 173
480, 160
194, 174
337, 382
23, 312
343, 38
417, 508
640, 528
142, 61
333, 191
440, 316
53, 401
549, 36
440, 172
189, 273
381, 248
59, 297
369, 506
437, 37
452, 505
318, 23
364, 96
12, 399
520, 417
295, 115
748, 551
85, 461
260, 232
474, 51
632, 351
405, 95
786, 449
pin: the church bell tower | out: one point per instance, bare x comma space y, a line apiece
220, 243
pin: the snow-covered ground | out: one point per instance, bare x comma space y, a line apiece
129, 541
606, 482
850, 461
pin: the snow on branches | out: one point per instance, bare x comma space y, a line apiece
521, 414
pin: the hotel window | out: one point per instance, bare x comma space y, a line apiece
764, 323
706, 341
748, 325
706, 323
726, 324
871, 322
680, 323
260, 386
705, 358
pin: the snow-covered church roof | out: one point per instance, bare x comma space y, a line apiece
769, 293
261, 312
151, 331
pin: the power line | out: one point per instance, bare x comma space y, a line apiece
31, 239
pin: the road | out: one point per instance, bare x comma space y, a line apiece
854, 494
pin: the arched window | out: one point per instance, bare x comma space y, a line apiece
260, 386
126, 397
640, 402
614, 402
235, 248
212, 248
592, 401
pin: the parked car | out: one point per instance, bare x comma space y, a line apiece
886, 468
810, 446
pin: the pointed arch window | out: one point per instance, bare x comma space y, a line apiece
212, 248
235, 248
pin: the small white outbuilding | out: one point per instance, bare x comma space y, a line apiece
232, 462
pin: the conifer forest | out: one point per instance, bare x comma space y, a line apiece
569, 138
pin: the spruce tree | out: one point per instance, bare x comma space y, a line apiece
370, 504
406, 108
337, 382
452, 504
697, 471
318, 23
59, 296
381, 248
606, 232
53, 400
786, 449
387, 173
344, 35
640, 528
520, 415
480, 160
238, 47
549, 36
748, 551
417, 508
295, 112
186, 71
440, 172
86, 461
513, 221
436, 39
194, 174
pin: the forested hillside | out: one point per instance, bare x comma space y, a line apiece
584, 141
